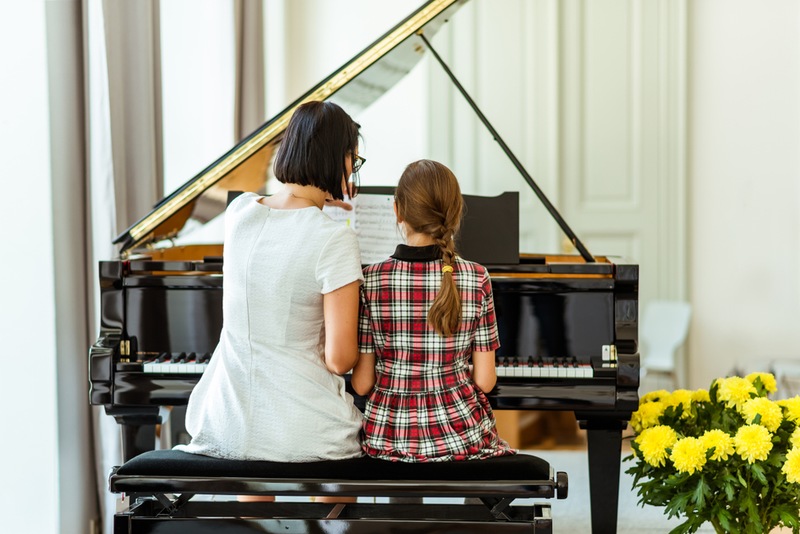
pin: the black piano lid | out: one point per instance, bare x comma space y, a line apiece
355, 85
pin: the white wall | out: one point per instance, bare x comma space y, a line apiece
744, 184
28, 454
320, 36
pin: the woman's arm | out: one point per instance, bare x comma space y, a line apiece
340, 308
483, 371
363, 379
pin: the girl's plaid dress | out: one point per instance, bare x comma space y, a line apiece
425, 406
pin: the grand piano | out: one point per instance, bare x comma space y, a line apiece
568, 323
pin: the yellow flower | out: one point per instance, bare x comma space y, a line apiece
688, 455
753, 442
767, 379
681, 397
792, 408
771, 414
794, 439
701, 395
792, 466
654, 442
721, 441
735, 391
655, 396
646, 416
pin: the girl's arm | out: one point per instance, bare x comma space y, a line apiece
340, 308
483, 371
363, 379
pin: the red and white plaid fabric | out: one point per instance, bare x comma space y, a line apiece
425, 406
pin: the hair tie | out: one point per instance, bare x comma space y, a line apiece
447, 269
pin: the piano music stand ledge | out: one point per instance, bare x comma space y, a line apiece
159, 487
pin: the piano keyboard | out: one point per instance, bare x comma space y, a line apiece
506, 367
510, 367
179, 363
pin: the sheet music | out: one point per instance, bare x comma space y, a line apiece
373, 220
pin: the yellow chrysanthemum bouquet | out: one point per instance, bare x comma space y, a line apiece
729, 455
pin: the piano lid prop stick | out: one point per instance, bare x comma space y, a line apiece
587, 256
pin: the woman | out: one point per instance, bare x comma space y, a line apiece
273, 389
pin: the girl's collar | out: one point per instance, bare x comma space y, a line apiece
417, 254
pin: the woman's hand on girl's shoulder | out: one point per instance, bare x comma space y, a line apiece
338, 204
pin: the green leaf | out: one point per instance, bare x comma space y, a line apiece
741, 480
789, 519
758, 471
729, 493
724, 517
698, 496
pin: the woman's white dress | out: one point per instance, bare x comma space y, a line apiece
266, 394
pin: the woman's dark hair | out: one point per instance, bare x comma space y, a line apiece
429, 200
319, 137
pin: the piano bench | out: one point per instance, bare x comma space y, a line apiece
161, 488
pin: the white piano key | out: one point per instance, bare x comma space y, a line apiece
523, 370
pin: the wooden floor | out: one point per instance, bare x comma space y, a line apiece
546, 431
540, 430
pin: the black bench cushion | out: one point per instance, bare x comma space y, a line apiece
171, 463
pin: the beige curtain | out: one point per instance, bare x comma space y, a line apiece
125, 173
104, 85
77, 491
134, 87
249, 90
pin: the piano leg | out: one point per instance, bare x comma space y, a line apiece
605, 456
138, 427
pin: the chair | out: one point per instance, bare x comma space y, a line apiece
664, 326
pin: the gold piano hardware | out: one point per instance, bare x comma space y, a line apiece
501, 276
125, 349
180, 253
269, 134
610, 354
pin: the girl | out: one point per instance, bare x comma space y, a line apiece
425, 313
273, 389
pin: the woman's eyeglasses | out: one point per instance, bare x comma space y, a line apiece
358, 161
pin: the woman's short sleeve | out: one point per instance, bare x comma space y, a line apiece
340, 261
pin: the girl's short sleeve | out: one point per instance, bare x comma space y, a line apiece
366, 342
340, 261
486, 336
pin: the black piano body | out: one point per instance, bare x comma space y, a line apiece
571, 326
568, 324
